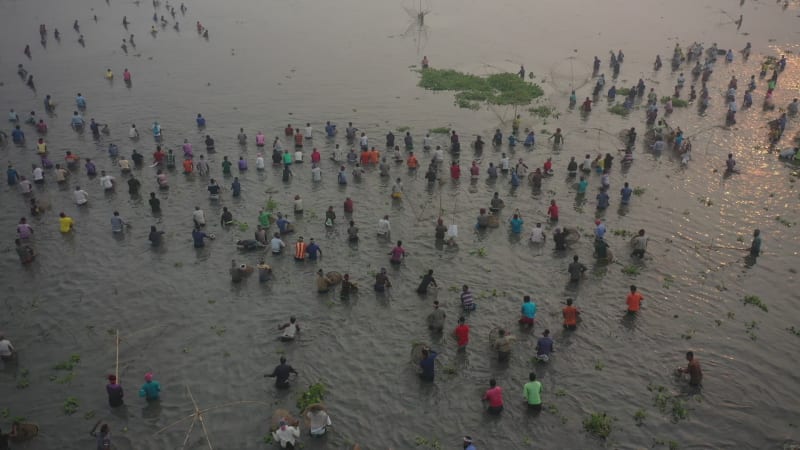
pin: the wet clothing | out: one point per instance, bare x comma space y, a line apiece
150, 390
695, 373
427, 279
533, 392
436, 319
544, 346
575, 270
570, 314
495, 398
115, 395
462, 334
634, 301
281, 374
427, 366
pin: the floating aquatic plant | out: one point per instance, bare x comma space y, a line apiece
755, 301
314, 394
598, 424
496, 89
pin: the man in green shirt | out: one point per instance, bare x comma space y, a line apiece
263, 218
533, 393
226, 166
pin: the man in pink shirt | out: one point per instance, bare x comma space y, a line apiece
494, 395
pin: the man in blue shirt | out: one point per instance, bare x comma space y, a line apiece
516, 223
312, 250
330, 129
427, 364
626, 194
201, 121
282, 223
17, 135
528, 312
236, 187
602, 200
544, 347
199, 238
600, 229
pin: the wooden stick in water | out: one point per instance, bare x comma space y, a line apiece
116, 371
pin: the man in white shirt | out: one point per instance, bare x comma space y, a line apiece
133, 133
384, 228
309, 134
364, 141
38, 175
537, 234
504, 163
426, 142
586, 166
259, 162
25, 186
6, 349
438, 154
81, 196
298, 156
277, 244
199, 217
316, 173
106, 181
289, 329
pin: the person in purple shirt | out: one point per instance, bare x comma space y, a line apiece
187, 149
24, 230
114, 392
312, 250
91, 169
242, 164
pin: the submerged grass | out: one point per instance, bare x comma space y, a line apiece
755, 301
314, 394
471, 90
598, 424
619, 110
676, 102
440, 130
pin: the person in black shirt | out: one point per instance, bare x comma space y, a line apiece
281, 374
133, 185
155, 204
137, 158
427, 280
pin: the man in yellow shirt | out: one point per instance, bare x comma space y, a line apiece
65, 222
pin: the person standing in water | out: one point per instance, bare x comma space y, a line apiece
114, 391
755, 246
693, 369
151, 389
281, 374
532, 391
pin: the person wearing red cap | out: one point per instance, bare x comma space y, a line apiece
151, 389
114, 391
468, 444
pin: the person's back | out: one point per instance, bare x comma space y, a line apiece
575, 270
532, 391
436, 319
427, 366
544, 346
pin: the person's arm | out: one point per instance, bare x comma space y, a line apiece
291, 369
433, 282
271, 375
281, 327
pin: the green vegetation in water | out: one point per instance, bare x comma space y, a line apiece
70, 364
4, 413
560, 393
543, 111
403, 129
478, 252
88, 415
598, 424
314, 394
440, 130
497, 89
668, 280
271, 204
687, 335
639, 417
755, 301
667, 403
219, 330
623, 92
432, 444
243, 226
751, 327
639, 191
679, 410
268, 438
66, 379
598, 365
619, 110
71, 405
631, 270
676, 102
22, 381
794, 331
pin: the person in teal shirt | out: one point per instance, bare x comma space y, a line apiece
528, 312
582, 185
287, 158
226, 166
516, 223
151, 389
533, 393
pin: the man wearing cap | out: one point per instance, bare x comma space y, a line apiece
151, 389
286, 436
468, 444
600, 229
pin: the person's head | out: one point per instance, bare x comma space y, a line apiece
546, 333
386, 217
152, 228
689, 356
283, 360
483, 211
532, 376
626, 184
425, 352
467, 441
633, 288
116, 213
501, 332
104, 428
465, 288
436, 304
292, 319
516, 216
492, 382
439, 221
730, 155
112, 379
569, 302
462, 320
148, 376
756, 232
152, 195
575, 258
641, 232
526, 299
399, 243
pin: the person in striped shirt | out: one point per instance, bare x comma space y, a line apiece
467, 301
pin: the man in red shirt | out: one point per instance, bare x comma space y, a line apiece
462, 333
158, 156
494, 395
298, 139
552, 211
634, 300
348, 206
289, 130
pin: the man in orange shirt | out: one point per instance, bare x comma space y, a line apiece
365, 157
374, 156
300, 249
634, 300
187, 166
412, 161
570, 314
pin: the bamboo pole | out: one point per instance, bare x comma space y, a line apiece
116, 370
